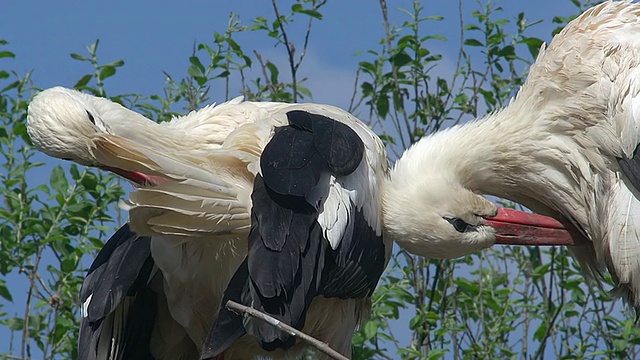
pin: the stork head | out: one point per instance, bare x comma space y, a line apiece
430, 210
436, 217
61, 123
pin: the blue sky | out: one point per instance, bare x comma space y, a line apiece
160, 37
157, 36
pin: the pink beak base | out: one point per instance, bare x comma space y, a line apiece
515, 227
137, 177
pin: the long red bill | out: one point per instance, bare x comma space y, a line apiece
515, 227
137, 177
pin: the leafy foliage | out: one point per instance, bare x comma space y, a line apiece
501, 303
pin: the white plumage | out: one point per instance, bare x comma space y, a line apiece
565, 146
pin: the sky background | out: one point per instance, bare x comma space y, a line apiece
152, 37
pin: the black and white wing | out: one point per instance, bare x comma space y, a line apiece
118, 307
315, 230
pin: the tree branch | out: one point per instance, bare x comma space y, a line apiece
290, 51
248, 311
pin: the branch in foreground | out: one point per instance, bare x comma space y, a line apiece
245, 310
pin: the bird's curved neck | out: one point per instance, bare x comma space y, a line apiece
484, 156
501, 154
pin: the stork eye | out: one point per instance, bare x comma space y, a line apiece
93, 121
458, 224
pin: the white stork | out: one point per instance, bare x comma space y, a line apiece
566, 146
280, 199
277, 206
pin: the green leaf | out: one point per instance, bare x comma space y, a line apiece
3, 132
68, 265
508, 52
473, 42
247, 60
436, 354
20, 129
313, 13
367, 89
223, 74
273, 70
370, 329
540, 332
116, 63
382, 105
4, 291
13, 85
75, 174
305, 92
368, 67
89, 181
58, 180
471, 27
195, 71
234, 45
83, 81
79, 57
400, 59
415, 322
434, 37
107, 71
201, 80
195, 61
533, 44
14, 324
4, 54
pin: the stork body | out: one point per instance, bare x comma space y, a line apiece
566, 146
293, 186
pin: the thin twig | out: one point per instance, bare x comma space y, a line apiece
394, 72
290, 50
9, 356
24, 347
263, 66
352, 103
323, 347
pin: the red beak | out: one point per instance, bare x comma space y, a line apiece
137, 177
515, 227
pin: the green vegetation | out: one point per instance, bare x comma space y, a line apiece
503, 303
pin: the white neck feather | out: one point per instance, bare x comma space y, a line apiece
483, 156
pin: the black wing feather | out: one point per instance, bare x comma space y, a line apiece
280, 279
289, 164
289, 261
121, 269
338, 144
631, 168
114, 271
357, 264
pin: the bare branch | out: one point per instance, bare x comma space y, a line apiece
248, 311
263, 66
24, 347
352, 103
290, 51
